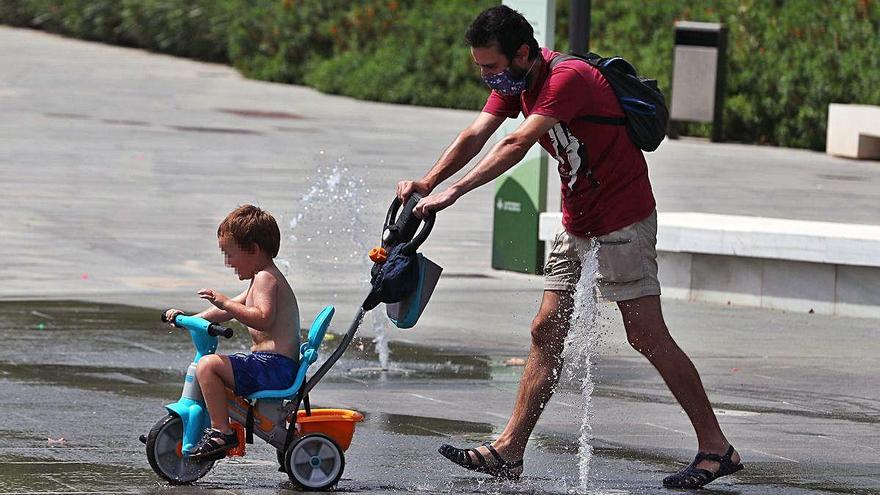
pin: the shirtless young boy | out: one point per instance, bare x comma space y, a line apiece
249, 238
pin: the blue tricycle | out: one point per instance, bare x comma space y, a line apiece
309, 442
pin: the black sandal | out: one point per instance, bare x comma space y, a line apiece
210, 448
694, 477
462, 457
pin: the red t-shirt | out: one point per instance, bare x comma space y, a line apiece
620, 192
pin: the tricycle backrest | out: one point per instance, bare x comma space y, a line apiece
308, 355
319, 327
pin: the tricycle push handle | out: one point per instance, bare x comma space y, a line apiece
196, 323
402, 228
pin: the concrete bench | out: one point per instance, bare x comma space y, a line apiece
794, 265
853, 131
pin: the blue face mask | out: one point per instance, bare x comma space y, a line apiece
504, 83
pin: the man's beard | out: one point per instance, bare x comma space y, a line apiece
526, 73
518, 74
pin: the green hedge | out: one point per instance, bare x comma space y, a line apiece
787, 59
423, 61
188, 28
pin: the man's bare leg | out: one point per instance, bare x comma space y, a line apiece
647, 333
539, 378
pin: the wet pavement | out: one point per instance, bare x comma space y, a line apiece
81, 381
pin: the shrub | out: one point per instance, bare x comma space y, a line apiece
16, 13
787, 60
275, 40
423, 60
97, 20
195, 28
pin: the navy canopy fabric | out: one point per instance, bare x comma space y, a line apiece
396, 279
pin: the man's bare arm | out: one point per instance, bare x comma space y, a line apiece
463, 149
505, 154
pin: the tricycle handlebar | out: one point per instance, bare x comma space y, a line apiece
216, 330
196, 323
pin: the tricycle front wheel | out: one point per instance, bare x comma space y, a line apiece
164, 443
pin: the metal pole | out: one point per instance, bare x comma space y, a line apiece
720, 87
340, 350
579, 27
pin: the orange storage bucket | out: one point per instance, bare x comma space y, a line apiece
338, 424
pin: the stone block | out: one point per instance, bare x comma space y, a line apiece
853, 131
674, 272
726, 279
858, 291
798, 286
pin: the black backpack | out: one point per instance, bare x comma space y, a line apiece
641, 100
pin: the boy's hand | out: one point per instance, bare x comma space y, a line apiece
216, 298
171, 314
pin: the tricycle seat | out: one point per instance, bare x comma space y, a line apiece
308, 355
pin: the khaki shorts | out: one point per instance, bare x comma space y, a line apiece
627, 262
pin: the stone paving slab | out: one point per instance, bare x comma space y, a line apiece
103, 374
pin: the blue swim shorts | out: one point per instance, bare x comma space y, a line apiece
261, 371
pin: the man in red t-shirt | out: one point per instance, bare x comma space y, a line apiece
606, 202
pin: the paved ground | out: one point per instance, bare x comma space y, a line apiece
118, 164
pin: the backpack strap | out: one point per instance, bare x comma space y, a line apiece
597, 119
595, 61
590, 58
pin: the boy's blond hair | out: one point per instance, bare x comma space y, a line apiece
248, 225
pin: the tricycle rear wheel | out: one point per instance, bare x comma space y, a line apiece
163, 452
314, 462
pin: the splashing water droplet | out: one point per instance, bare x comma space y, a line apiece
332, 213
580, 353
381, 339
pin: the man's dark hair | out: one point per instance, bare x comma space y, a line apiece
504, 26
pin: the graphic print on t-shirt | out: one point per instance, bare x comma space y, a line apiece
570, 153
